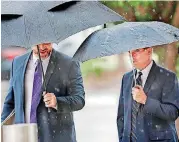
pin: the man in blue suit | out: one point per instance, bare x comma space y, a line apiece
64, 93
148, 109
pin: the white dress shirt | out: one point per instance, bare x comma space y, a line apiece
145, 73
29, 78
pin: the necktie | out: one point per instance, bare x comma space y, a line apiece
37, 83
135, 108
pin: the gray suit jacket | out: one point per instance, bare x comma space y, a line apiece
63, 78
156, 119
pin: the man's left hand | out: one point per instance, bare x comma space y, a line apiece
139, 94
50, 100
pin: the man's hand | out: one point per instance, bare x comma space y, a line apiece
50, 100
139, 94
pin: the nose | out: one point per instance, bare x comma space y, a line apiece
133, 54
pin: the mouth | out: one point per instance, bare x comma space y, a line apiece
43, 51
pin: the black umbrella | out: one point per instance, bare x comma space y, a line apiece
29, 23
125, 37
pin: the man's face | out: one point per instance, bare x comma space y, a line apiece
45, 49
141, 57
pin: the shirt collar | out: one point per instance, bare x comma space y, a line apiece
35, 58
146, 70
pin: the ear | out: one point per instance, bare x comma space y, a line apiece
150, 50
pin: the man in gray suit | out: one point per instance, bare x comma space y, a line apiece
64, 93
148, 109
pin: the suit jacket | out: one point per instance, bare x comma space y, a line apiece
63, 78
155, 119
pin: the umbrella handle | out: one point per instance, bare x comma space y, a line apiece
49, 110
43, 74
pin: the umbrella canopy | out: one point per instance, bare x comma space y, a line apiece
21, 7
29, 23
125, 37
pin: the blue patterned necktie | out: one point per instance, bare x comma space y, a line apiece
37, 84
135, 108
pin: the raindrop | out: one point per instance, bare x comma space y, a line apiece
60, 131
153, 10
153, 87
157, 138
168, 74
164, 94
142, 130
158, 126
161, 70
57, 89
59, 68
160, 17
65, 117
53, 131
51, 62
171, 16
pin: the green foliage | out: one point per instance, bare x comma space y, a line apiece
89, 67
125, 5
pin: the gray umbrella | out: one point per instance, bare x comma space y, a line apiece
29, 23
125, 37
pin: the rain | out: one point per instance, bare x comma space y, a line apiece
102, 77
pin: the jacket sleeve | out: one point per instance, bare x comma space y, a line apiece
9, 101
75, 99
120, 114
168, 107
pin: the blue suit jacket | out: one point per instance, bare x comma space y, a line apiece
63, 78
156, 119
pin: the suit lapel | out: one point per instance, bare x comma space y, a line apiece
20, 72
129, 102
25, 63
20, 78
50, 70
150, 78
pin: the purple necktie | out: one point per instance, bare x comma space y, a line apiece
37, 84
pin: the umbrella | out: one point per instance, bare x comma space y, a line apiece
21, 7
125, 37
29, 23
